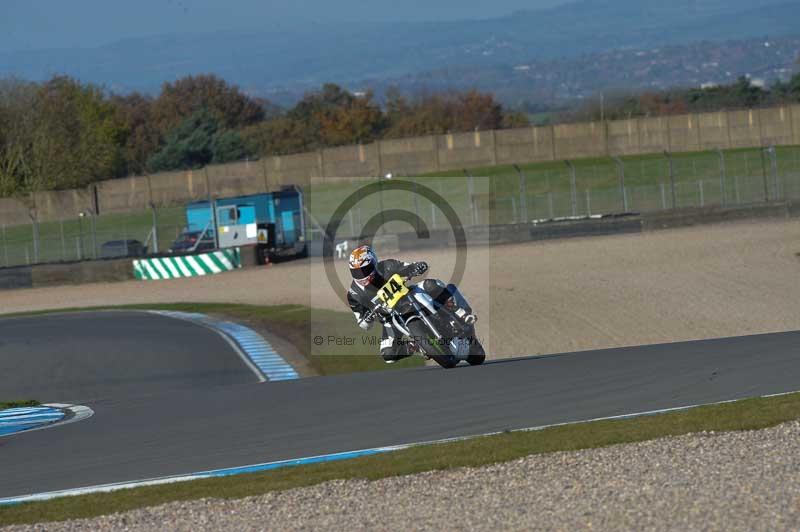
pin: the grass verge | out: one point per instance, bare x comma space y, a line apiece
349, 352
747, 414
18, 404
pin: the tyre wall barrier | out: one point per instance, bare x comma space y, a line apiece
97, 271
708, 215
187, 265
41, 275
17, 277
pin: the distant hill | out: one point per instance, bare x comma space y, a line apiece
287, 62
539, 84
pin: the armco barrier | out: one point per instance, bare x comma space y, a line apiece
98, 271
41, 275
17, 277
591, 227
187, 265
709, 215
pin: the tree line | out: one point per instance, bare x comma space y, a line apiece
741, 94
62, 133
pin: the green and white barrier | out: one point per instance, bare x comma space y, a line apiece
187, 265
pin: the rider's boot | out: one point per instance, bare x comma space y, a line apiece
396, 353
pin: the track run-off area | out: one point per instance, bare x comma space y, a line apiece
172, 397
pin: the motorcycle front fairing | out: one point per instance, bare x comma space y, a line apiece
429, 311
418, 304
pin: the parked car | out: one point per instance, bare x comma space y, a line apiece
191, 242
122, 248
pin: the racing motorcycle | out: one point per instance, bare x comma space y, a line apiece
430, 328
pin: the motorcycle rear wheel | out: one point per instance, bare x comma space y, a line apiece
477, 355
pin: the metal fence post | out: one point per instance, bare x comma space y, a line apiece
663, 197
514, 209
588, 203
80, 235
416, 206
702, 196
63, 242
35, 231
471, 197
523, 194
672, 179
155, 226
773, 155
621, 168
94, 235
381, 229
352, 226
764, 175
5, 247
572, 187
125, 237
722, 176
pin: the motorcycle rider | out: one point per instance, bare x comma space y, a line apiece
369, 274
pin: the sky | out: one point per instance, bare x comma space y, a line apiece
39, 24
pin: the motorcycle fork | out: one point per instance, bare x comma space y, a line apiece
429, 324
425, 320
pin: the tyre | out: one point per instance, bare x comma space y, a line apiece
476, 355
429, 346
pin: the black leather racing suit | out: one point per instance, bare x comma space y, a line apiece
360, 300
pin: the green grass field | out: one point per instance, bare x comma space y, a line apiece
299, 325
494, 195
5, 405
749, 414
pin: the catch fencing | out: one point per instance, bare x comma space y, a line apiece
574, 189
655, 184
523, 194
87, 236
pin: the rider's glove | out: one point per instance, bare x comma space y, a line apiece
419, 268
469, 319
367, 321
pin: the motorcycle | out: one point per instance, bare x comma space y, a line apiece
429, 327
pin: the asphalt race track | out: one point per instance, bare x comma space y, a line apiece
172, 397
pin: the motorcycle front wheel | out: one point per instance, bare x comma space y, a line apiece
428, 344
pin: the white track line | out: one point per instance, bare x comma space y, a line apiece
105, 488
75, 413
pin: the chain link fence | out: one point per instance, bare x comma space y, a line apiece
89, 237
647, 185
539, 192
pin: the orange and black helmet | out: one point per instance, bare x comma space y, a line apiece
363, 262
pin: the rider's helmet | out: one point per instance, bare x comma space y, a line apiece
362, 265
